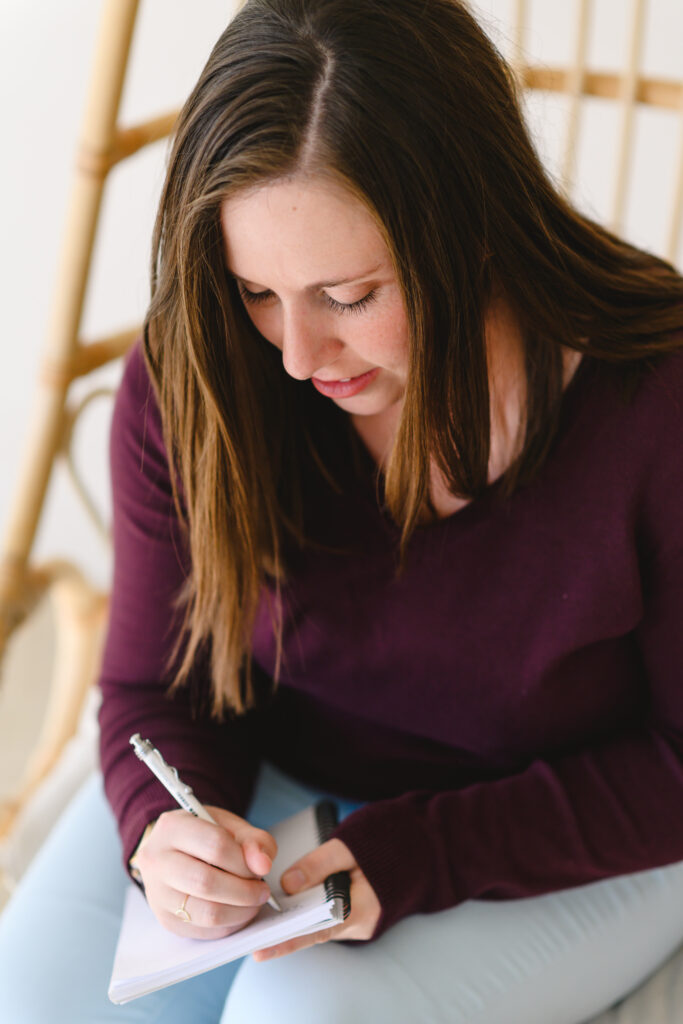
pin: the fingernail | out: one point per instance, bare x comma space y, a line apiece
293, 880
264, 896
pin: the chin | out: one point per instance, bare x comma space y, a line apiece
365, 405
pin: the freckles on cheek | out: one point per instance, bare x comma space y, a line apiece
392, 349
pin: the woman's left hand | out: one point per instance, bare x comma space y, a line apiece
325, 860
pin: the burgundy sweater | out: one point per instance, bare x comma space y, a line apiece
511, 707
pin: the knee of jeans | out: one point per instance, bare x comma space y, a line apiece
55, 960
31, 992
318, 985
330, 983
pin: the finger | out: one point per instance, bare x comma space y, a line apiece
197, 838
244, 832
317, 865
256, 858
207, 920
197, 878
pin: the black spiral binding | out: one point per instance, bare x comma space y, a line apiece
337, 886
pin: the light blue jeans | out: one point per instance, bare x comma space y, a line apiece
555, 959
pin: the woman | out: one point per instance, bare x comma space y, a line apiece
397, 482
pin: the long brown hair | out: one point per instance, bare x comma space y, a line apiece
410, 107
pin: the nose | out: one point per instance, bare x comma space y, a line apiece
307, 345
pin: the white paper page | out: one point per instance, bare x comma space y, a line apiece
149, 957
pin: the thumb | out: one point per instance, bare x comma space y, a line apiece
315, 867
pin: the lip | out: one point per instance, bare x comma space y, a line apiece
344, 389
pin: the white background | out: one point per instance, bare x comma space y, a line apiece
46, 52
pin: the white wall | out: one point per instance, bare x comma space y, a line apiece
46, 57
46, 50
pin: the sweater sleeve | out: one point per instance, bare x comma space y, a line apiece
607, 809
151, 562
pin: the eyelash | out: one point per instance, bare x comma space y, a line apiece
337, 307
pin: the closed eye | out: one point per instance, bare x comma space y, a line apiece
338, 307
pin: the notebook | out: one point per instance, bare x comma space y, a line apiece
148, 957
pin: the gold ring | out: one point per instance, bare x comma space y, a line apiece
182, 913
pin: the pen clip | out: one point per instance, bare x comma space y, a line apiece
155, 760
182, 786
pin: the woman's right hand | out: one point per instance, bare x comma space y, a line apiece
218, 867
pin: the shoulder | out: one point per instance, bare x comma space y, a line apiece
655, 435
662, 381
656, 409
135, 399
136, 439
620, 453
642, 400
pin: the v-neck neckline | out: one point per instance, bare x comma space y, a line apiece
479, 506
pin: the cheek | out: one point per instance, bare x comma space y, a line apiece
383, 337
266, 324
390, 340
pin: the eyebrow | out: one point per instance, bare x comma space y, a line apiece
325, 284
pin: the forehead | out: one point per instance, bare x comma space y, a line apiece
300, 231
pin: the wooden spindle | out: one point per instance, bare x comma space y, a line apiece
576, 88
628, 100
97, 141
518, 60
676, 223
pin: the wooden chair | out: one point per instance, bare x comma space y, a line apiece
80, 607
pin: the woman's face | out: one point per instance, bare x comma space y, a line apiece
317, 281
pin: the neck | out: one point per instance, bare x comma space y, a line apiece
507, 390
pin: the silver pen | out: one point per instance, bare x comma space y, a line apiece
181, 793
